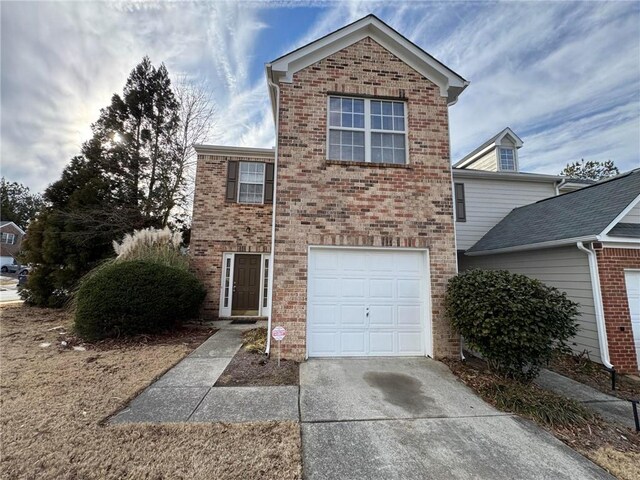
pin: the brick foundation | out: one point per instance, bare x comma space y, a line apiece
611, 265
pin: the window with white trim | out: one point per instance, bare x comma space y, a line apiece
265, 283
507, 159
367, 130
8, 238
227, 281
251, 182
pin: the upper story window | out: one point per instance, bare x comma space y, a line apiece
507, 159
367, 130
8, 238
249, 182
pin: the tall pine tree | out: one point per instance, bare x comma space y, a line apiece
116, 185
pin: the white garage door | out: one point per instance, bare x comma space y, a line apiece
633, 294
367, 302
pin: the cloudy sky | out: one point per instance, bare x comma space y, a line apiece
564, 75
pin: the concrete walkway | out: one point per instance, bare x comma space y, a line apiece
609, 407
186, 392
411, 418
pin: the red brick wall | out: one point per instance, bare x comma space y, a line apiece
218, 226
611, 265
337, 203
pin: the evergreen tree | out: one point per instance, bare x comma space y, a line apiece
115, 186
590, 170
17, 203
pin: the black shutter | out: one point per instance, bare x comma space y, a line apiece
461, 211
268, 182
232, 182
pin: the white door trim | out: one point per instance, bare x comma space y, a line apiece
427, 320
225, 312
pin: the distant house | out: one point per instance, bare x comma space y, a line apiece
10, 241
586, 243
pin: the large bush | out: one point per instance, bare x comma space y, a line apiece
513, 321
131, 297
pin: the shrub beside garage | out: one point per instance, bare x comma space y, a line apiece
513, 321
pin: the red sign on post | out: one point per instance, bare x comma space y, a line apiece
278, 333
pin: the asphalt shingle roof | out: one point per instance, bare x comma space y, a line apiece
580, 213
629, 230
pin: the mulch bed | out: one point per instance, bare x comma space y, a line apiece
252, 368
583, 370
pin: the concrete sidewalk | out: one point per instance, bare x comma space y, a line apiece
609, 407
411, 418
186, 392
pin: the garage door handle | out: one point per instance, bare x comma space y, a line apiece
367, 311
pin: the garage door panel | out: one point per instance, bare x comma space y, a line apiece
381, 316
391, 286
353, 287
381, 343
353, 343
352, 315
325, 315
409, 315
381, 288
410, 343
632, 281
409, 288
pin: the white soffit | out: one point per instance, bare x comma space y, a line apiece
451, 84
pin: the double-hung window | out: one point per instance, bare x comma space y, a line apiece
507, 159
251, 182
8, 238
367, 130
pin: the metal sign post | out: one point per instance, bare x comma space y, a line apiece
278, 333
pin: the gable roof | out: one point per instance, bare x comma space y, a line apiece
583, 215
282, 69
4, 223
492, 142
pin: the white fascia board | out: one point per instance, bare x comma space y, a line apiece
621, 215
507, 131
620, 242
228, 151
535, 246
12, 223
450, 83
515, 176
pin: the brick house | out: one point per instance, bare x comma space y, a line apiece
11, 241
344, 232
586, 243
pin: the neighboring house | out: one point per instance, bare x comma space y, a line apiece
344, 233
586, 243
10, 241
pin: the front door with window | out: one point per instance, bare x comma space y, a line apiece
246, 285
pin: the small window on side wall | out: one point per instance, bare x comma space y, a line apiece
460, 206
249, 182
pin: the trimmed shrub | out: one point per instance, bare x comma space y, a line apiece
127, 298
514, 322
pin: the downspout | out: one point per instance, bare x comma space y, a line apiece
597, 300
273, 215
559, 184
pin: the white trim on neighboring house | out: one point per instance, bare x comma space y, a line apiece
535, 246
597, 301
22, 232
622, 214
225, 311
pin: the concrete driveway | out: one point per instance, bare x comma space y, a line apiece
410, 418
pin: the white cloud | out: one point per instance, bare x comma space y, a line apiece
564, 75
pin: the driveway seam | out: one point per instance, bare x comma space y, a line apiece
410, 418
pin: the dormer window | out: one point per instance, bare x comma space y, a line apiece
507, 159
367, 130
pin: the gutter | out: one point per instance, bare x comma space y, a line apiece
597, 300
559, 185
273, 212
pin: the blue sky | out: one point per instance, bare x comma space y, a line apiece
564, 75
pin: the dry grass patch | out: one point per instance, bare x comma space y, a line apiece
625, 466
53, 401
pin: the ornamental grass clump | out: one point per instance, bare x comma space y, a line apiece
513, 321
153, 245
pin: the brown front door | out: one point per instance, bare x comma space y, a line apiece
246, 285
